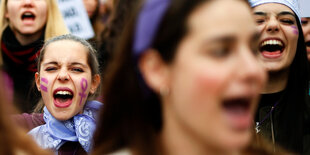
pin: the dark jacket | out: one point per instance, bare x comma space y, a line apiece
269, 119
19, 62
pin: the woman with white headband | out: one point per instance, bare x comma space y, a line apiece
282, 108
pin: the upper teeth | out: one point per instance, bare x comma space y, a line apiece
28, 14
272, 42
63, 93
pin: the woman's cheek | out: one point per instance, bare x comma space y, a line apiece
210, 83
295, 30
44, 84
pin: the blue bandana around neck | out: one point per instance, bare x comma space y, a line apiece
81, 127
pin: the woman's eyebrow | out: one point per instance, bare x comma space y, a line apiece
286, 13
50, 63
230, 38
78, 63
260, 13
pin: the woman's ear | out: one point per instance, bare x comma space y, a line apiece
37, 80
154, 70
95, 83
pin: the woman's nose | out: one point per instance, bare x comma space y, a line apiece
28, 2
272, 25
63, 75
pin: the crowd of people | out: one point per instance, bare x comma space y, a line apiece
159, 77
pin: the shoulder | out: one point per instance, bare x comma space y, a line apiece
94, 104
28, 121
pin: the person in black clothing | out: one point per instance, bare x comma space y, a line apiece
24, 26
282, 111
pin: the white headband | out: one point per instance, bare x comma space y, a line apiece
292, 4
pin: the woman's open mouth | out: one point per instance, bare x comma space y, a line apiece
63, 97
28, 17
238, 112
271, 48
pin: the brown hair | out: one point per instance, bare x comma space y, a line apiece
132, 117
97, 25
122, 12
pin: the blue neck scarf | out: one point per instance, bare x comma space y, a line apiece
79, 128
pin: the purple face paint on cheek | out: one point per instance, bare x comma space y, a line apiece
84, 86
44, 88
44, 80
295, 30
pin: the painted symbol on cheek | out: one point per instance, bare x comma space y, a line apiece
84, 85
295, 30
44, 88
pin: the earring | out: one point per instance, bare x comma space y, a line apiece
164, 91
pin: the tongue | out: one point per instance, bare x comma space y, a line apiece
28, 18
236, 110
273, 54
28, 21
62, 100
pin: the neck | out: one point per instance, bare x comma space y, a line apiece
176, 138
277, 82
28, 38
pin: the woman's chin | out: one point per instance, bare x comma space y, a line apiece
62, 115
239, 141
273, 69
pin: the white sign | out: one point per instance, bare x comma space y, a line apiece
305, 8
76, 18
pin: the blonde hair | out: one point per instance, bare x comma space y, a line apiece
54, 26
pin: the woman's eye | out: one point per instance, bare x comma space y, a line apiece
304, 22
220, 52
287, 21
77, 70
50, 68
260, 21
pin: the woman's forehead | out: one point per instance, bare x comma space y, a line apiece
65, 48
